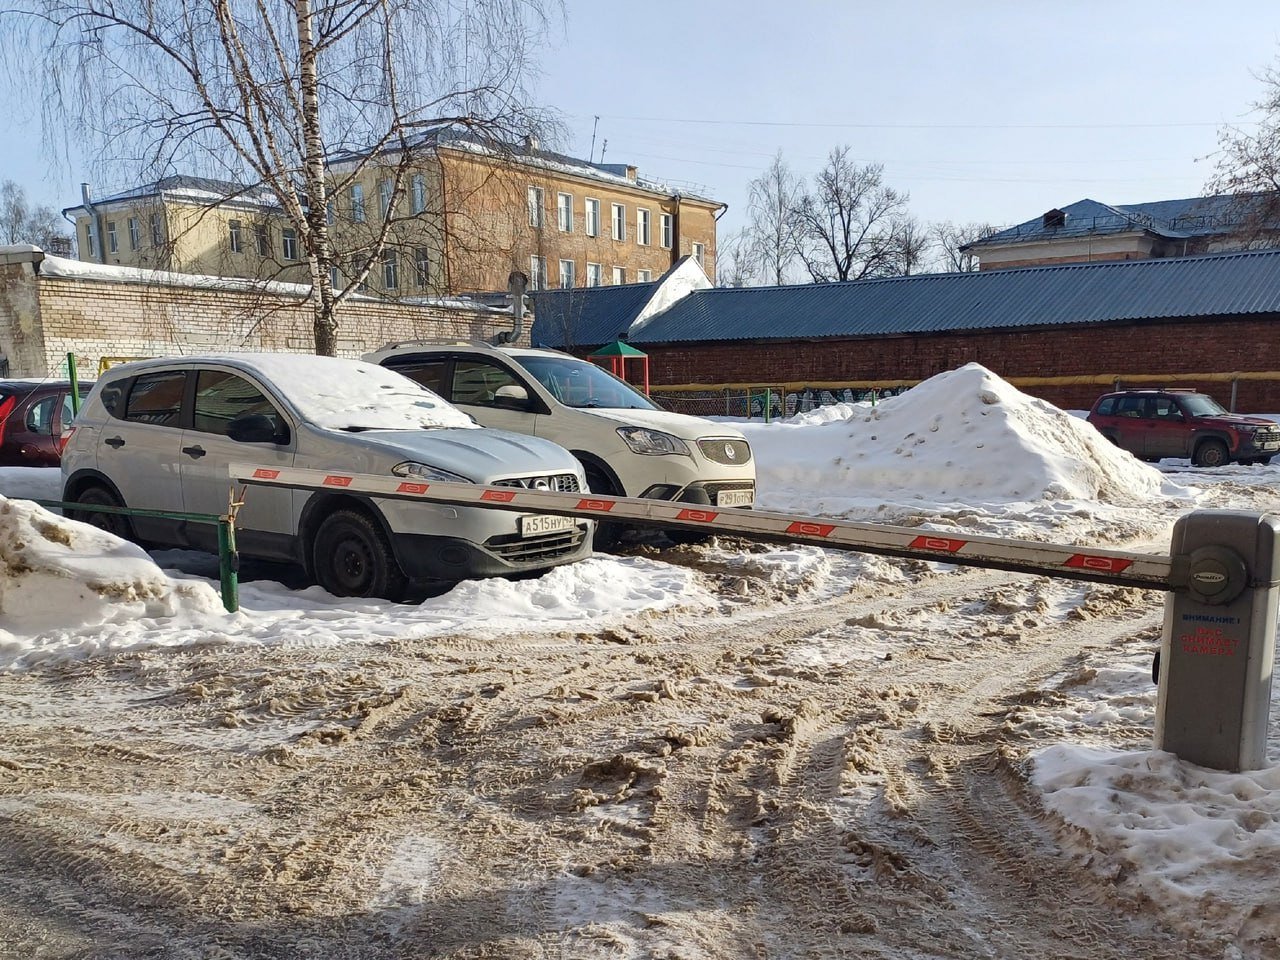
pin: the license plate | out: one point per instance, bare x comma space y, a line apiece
537, 526
735, 498
1270, 445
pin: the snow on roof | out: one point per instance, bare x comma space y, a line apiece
198, 190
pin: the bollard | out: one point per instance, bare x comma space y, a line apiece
1218, 645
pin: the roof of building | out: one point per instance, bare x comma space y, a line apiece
1173, 219
587, 316
195, 190
1230, 284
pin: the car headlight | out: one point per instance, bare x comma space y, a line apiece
653, 443
425, 471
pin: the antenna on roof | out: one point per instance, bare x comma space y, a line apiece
591, 157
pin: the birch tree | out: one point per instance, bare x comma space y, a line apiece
270, 92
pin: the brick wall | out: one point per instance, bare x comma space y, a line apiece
1100, 352
42, 318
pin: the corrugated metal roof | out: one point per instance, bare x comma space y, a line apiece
1211, 285
587, 316
1176, 219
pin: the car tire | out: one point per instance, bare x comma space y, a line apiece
1211, 453
352, 558
608, 533
113, 523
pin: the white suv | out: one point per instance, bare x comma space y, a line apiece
627, 445
160, 434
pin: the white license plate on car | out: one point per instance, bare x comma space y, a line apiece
1270, 445
735, 498
539, 525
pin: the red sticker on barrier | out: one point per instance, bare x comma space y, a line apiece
498, 496
941, 544
407, 487
699, 516
811, 529
1083, 561
602, 505
261, 474
335, 481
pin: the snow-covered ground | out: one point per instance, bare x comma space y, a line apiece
963, 450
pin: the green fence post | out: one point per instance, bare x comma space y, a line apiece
228, 565
75, 383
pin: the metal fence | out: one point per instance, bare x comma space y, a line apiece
763, 402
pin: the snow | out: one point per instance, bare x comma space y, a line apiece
1187, 838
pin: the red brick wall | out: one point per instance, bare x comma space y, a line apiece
1213, 345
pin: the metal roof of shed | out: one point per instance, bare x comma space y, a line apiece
586, 316
1076, 293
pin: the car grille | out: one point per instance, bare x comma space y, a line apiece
556, 483
732, 452
516, 549
1267, 434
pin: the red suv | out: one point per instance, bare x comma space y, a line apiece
32, 415
1152, 424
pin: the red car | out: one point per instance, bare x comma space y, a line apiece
32, 415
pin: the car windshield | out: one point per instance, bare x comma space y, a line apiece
576, 383
1199, 405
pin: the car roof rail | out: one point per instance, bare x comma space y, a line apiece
434, 342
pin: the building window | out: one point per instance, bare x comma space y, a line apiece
595, 275
233, 228
537, 273
564, 212
699, 254
566, 274
262, 235
418, 187
642, 226
157, 231
333, 277
289, 243
535, 207
112, 243
664, 229
593, 218
135, 233
421, 267
619, 222
357, 203
385, 189
644, 276
353, 270
390, 270
328, 212
88, 240
619, 276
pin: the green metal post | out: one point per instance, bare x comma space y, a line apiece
75, 383
228, 565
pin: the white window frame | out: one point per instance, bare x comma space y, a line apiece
699, 251
595, 274
569, 272
234, 239
262, 239
537, 202
135, 233
564, 212
390, 270
89, 239
422, 267
644, 276
644, 226
113, 241
157, 233
619, 276
418, 187
618, 220
537, 273
592, 217
664, 230
329, 208
386, 189
356, 196
289, 243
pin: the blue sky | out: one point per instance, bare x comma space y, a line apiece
992, 111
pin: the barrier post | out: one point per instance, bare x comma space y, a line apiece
228, 564
1218, 645
75, 383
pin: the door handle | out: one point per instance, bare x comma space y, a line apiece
116, 442
195, 452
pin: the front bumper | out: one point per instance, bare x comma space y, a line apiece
426, 557
713, 493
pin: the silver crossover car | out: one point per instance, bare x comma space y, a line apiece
159, 435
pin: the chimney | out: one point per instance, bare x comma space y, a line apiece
531, 141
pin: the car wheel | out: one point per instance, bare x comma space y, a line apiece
115, 524
352, 558
608, 533
1211, 453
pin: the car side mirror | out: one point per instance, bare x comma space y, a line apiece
512, 396
256, 428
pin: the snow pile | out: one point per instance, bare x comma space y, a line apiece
59, 573
1185, 836
965, 435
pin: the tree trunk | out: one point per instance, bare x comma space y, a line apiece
319, 246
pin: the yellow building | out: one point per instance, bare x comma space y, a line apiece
461, 215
